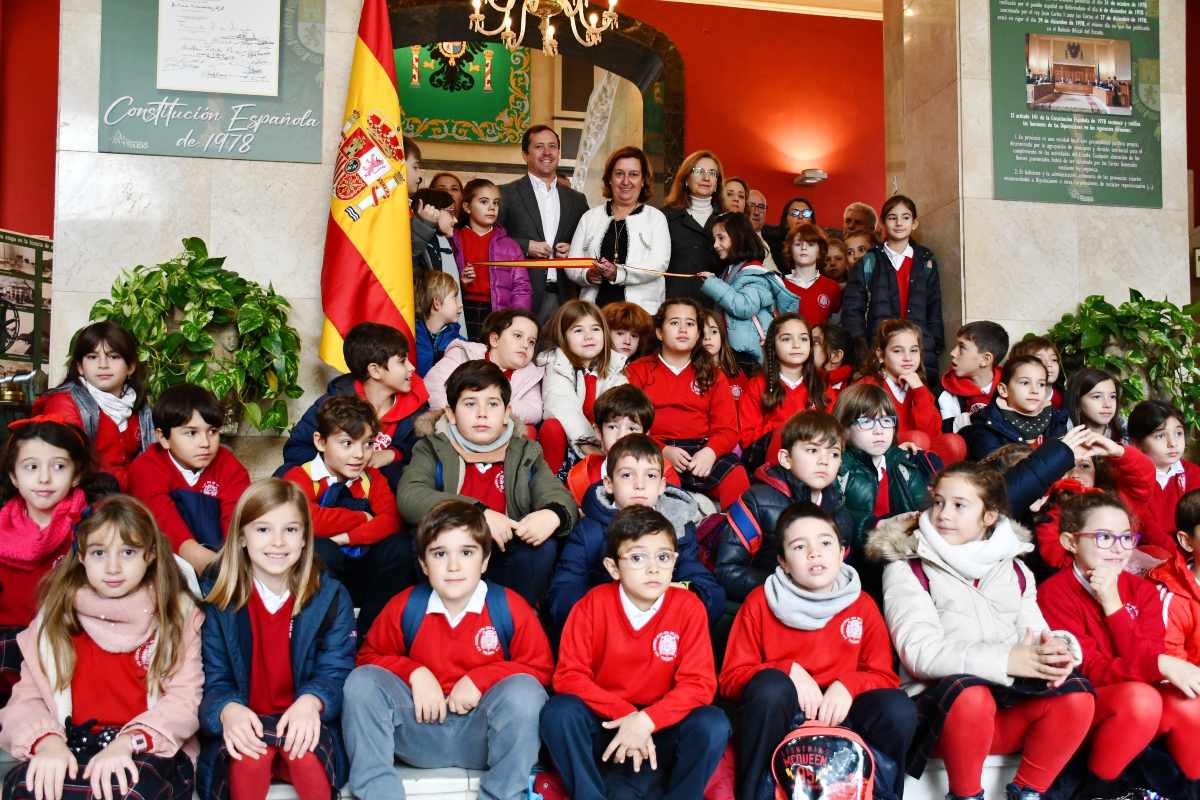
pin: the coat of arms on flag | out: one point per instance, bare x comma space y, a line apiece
369, 156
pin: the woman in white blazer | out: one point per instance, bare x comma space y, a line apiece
623, 230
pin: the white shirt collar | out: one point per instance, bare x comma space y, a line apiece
473, 606
897, 259
805, 282
192, 476
318, 470
898, 389
880, 466
789, 384
673, 369
540, 185
637, 617
814, 497
1164, 475
271, 601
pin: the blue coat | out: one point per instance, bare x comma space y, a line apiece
749, 294
299, 448
581, 564
322, 653
430, 347
990, 431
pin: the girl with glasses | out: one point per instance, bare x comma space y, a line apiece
1142, 694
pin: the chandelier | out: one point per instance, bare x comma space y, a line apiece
587, 26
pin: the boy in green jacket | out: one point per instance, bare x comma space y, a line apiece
479, 455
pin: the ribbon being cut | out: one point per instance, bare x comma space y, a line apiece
573, 263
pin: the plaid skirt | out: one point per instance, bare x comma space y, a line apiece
219, 779
720, 469
475, 312
10, 662
159, 777
933, 705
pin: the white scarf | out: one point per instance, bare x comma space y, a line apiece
118, 409
975, 559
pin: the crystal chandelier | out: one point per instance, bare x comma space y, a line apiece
586, 25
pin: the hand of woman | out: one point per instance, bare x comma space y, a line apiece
300, 726
705, 275
242, 731
50, 765
114, 761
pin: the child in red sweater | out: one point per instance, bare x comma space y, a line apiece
112, 674
104, 394
452, 672
1157, 429
970, 383
42, 466
696, 420
833, 354
810, 645
897, 368
636, 658
358, 529
804, 253
715, 339
789, 383
188, 480
1142, 693
1178, 575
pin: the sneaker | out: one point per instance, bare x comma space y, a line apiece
952, 796
1014, 792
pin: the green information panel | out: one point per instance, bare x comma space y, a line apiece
1075, 101
464, 92
282, 124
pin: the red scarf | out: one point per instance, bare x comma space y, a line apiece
838, 375
23, 543
969, 394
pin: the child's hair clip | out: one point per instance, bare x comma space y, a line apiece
56, 419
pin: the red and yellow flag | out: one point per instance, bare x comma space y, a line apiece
367, 272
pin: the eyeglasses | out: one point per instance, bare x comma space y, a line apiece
796, 213
759, 206
1106, 539
701, 172
663, 559
867, 423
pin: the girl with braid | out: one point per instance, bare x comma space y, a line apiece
789, 383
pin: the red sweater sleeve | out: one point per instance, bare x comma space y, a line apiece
926, 417
575, 674
722, 417
385, 519
384, 646
149, 481
696, 676
874, 669
1049, 545
1134, 476
529, 651
327, 522
744, 653
61, 405
750, 412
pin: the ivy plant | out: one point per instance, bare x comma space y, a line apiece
1152, 346
197, 322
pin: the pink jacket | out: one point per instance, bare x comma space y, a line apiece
36, 709
526, 382
510, 287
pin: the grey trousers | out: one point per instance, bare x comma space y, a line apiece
500, 735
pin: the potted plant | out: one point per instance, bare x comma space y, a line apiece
197, 322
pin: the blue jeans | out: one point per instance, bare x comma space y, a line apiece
500, 735
687, 754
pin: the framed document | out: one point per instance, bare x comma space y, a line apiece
219, 47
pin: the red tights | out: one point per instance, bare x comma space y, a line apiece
1131, 715
949, 447
250, 778
1047, 731
553, 440
731, 487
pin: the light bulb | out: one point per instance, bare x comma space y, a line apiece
592, 19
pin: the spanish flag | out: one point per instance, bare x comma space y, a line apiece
367, 272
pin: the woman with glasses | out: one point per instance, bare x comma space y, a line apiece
691, 211
796, 212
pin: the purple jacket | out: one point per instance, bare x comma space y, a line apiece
510, 285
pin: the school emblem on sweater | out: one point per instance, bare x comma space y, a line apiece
852, 628
487, 641
145, 653
382, 442
1132, 610
696, 389
823, 300
210, 489
666, 645
500, 481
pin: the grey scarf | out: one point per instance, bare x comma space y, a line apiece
471, 447
809, 611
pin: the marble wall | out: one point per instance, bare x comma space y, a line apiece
1020, 264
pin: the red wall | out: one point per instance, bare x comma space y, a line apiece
1193, 103
28, 114
774, 93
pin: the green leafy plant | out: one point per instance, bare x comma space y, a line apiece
197, 322
1150, 345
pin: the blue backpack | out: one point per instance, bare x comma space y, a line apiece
496, 604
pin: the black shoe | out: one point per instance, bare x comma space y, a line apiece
1014, 792
953, 796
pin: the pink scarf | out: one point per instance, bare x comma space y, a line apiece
23, 544
118, 625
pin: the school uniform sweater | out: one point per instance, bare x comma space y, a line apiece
153, 475
819, 300
371, 485
757, 423
1158, 512
917, 411
682, 411
665, 668
115, 449
961, 396
470, 648
852, 648
1180, 591
1119, 647
108, 687
272, 690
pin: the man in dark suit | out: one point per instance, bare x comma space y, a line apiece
535, 202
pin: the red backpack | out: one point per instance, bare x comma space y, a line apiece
822, 762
